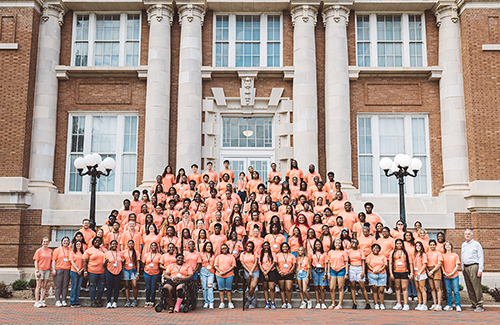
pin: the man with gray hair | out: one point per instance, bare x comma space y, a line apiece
472, 266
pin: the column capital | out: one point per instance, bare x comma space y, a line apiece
190, 11
336, 12
160, 11
53, 9
305, 12
446, 9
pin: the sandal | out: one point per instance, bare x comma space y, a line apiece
332, 306
339, 307
170, 310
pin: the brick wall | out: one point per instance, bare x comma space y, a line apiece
17, 86
482, 91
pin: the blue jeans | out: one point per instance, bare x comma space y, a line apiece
96, 286
207, 283
151, 281
452, 285
76, 283
225, 283
412, 291
113, 285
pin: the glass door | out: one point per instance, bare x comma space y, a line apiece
241, 164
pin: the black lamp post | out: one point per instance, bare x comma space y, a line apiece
96, 167
399, 168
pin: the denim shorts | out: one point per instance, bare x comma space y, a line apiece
301, 275
378, 280
318, 279
225, 283
337, 274
255, 274
129, 274
196, 275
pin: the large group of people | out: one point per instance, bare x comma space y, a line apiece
300, 229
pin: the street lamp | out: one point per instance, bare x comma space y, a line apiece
96, 167
399, 168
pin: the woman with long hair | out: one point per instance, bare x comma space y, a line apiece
420, 274
61, 267
151, 262
76, 273
207, 274
268, 274
451, 264
303, 273
434, 263
42, 258
131, 272
250, 264
318, 263
326, 238
337, 271
285, 264
224, 265
295, 242
400, 270
357, 268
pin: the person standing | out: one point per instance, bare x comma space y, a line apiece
61, 267
42, 258
472, 267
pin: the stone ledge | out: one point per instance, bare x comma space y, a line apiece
432, 73
287, 72
64, 72
9, 46
491, 47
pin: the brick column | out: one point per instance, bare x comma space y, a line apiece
190, 103
158, 93
305, 100
337, 110
43, 139
451, 91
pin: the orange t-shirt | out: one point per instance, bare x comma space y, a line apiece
129, 235
151, 238
96, 258
176, 270
397, 234
373, 219
376, 262
356, 257
61, 256
386, 246
266, 262
350, 218
44, 258
115, 261
419, 262
303, 263
241, 185
400, 264
275, 241
89, 234
192, 259
207, 261
337, 259
224, 263
248, 259
195, 177
294, 244
285, 261
434, 257
235, 247
217, 241
165, 241
167, 259
212, 176
450, 260
291, 173
257, 241
318, 259
151, 263
274, 191
168, 181
227, 171
271, 175
129, 259
77, 258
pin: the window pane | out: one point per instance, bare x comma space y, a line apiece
364, 135
82, 28
75, 180
130, 135
418, 136
248, 37
420, 182
108, 27
366, 174
389, 45
132, 54
81, 54
104, 134
107, 184
247, 132
133, 25
388, 185
129, 167
77, 133
391, 130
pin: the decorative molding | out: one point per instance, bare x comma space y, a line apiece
336, 12
491, 47
207, 72
64, 72
54, 10
160, 11
432, 73
190, 11
305, 12
247, 91
446, 11
9, 46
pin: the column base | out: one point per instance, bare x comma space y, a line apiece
457, 188
39, 184
11, 274
147, 184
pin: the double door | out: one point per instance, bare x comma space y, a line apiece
241, 164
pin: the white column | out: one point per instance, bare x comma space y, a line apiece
451, 90
158, 93
305, 108
337, 110
190, 103
43, 137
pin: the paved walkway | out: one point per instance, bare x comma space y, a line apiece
25, 313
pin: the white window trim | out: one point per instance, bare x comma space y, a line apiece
252, 149
405, 36
409, 183
232, 38
92, 30
87, 143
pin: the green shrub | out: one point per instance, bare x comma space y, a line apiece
486, 289
32, 283
19, 285
5, 291
460, 287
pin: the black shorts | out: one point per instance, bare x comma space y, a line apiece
273, 276
175, 284
288, 277
401, 275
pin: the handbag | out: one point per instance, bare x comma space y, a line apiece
319, 269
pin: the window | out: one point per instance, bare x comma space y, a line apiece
59, 234
247, 132
106, 39
386, 136
390, 40
247, 40
110, 135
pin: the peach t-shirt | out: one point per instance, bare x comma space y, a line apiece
337, 259
114, 261
376, 262
96, 258
434, 257
192, 259
61, 256
176, 270
285, 261
450, 260
318, 259
43, 256
356, 257
224, 263
77, 258
151, 263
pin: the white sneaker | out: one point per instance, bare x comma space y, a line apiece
459, 309
377, 307
406, 307
64, 304
389, 291
283, 306
210, 306
418, 307
58, 304
382, 307
423, 307
205, 305
398, 306
114, 305
438, 308
323, 306
303, 305
318, 306
37, 304
222, 306
230, 305
277, 289
448, 308
309, 304
289, 305
108, 305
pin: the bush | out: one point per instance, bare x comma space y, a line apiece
5, 291
460, 287
495, 293
32, 283
486, 289
19, 285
